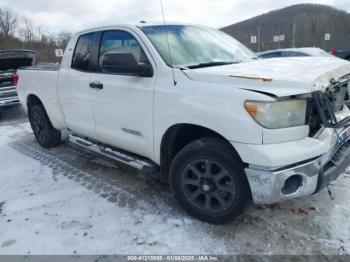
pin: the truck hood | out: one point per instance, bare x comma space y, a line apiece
13, 59
276, 76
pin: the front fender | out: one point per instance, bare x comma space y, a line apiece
217, 108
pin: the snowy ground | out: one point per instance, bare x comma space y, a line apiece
68, 201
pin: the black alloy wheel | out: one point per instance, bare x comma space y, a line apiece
208, 185
46, 135
209, 182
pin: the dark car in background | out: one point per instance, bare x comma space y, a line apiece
10, 61
343, 53
294, 52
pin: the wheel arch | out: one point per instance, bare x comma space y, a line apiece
179, 135
33, 100
52, 110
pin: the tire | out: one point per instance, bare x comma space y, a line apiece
208, 181
46, 135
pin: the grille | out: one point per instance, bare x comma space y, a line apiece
324, 105
6, 80
313, 119
8, 93
345, 78
337, 93
7, 90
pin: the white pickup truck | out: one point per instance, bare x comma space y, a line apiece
193, 104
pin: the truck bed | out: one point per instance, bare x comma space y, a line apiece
41, 82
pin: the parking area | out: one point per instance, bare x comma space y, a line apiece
12, 115
68, 201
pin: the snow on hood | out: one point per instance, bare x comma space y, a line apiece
278, 76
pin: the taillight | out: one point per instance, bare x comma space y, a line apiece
334, 51
15, 79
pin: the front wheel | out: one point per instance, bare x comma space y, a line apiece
209, 182
46, 135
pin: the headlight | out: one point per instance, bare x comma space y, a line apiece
278, 114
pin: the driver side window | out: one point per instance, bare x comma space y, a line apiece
123, 46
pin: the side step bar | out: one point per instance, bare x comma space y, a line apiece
144, 165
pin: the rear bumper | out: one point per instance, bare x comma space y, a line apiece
270, 185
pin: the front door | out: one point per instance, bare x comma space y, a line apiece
122, 102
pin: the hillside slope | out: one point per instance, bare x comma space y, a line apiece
311, 23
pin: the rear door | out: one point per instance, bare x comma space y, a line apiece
122, 106
73, 88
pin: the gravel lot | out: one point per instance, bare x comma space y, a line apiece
68, 201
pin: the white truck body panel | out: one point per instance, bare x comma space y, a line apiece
46, 86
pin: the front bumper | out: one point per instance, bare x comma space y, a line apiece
271, 185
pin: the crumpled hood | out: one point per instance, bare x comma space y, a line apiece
277, 76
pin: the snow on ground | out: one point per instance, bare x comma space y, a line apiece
68, 201
43, 214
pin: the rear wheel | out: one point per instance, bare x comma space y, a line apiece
209, 182
46, 135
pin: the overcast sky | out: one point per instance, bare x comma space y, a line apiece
74, 15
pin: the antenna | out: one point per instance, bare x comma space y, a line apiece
167, 40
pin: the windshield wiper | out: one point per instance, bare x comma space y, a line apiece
208, 64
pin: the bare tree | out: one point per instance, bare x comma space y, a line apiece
27, 31
62, 39
8, 21
21, 32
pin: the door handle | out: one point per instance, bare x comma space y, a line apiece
96, 85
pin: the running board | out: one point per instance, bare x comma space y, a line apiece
144, 165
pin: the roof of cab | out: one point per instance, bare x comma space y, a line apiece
139, 24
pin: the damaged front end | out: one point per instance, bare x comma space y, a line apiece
329, 124
326, 109
331, 110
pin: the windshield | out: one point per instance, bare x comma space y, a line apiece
195, 46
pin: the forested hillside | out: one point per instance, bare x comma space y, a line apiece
310, 23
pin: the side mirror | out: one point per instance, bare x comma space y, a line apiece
145, 70
125, 63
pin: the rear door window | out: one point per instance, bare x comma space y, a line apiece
82, 53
